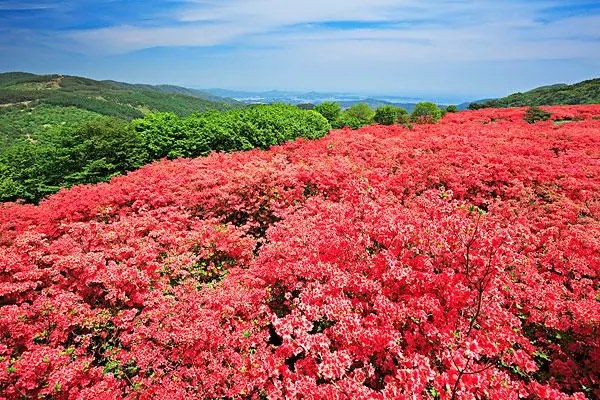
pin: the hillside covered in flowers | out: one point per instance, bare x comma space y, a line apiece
451, 261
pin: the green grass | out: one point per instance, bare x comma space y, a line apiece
564, 121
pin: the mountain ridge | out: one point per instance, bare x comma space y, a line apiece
31, 103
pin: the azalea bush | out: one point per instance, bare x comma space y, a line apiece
449, 261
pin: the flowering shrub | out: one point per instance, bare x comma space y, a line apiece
449, 261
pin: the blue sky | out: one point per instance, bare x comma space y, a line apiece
437, 49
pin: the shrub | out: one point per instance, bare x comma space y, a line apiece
355, 116
535, 114
329, 109
426, 113
402, 117
347, 120
386, 115
451, 108
362, 112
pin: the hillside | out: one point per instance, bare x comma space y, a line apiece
586, 92
30, 103
366, 264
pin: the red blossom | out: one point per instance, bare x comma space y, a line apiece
449, 261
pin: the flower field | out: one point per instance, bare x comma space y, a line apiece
451, 261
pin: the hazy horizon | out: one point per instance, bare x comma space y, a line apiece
448, 50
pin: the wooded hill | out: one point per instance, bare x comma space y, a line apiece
32, 103
586, 92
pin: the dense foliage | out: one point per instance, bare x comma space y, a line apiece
92, 152
102, 148
259, 126
536, 114
329, 109
457, 260
586, 92
426, 113
28, 123
389, 115
355, 116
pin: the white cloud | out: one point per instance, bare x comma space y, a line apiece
278, 13
24, 6
435, 30
127, 38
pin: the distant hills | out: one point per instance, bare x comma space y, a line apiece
586, 92
30, 103
111, 98
303, 98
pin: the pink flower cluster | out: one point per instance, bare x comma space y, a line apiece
450, 261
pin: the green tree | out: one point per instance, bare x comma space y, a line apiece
355, 116
94, 152
386, 115
162, 134
261, 126
9, 188
426, 113
31, 170
329, 109
476, 106
103, 149
347, 120
452, 108
362, 112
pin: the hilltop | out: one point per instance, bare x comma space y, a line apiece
457, 260
30, 103
585, 92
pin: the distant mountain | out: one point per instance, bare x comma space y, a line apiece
30, 103
291, 97
586, 92
172, 89
104, 97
